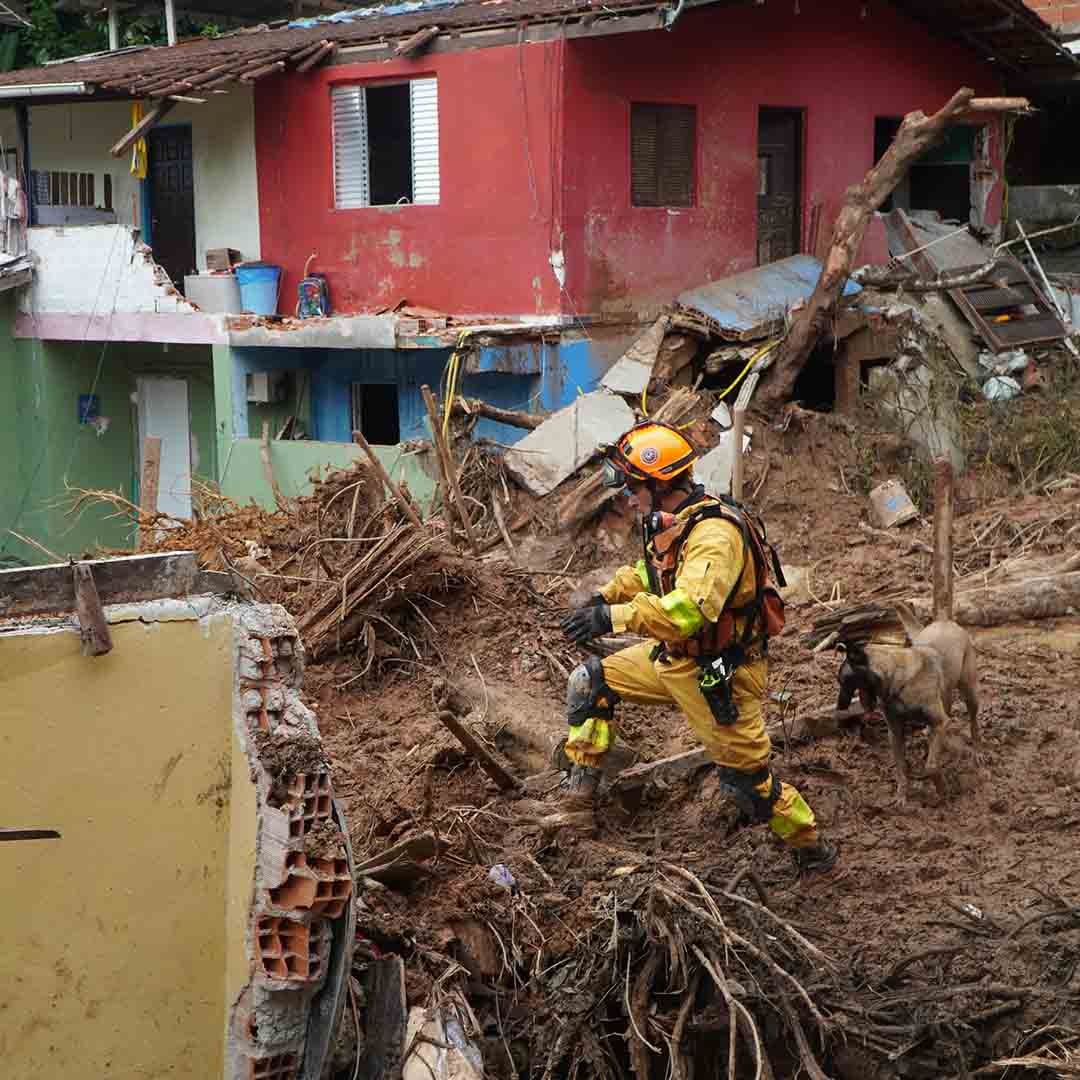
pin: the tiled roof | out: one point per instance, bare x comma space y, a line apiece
203, 64
1004, 31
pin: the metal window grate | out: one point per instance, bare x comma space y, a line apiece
663, 140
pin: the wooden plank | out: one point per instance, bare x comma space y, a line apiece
738, 462
148, 486
45, 590
395, 491
666, 769
994, 299
158, 112
943, 539
93, 629
268, 464
384, 1046
448, 469
1030, 331
487, 761
418, 848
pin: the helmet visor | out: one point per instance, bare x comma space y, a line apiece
612, 476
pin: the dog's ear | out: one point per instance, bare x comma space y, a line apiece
856, 655
912, 626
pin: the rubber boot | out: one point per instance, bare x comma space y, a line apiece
818, 858
582, 784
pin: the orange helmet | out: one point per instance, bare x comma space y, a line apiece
649, 451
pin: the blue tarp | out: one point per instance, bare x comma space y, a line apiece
753, 304
408, 7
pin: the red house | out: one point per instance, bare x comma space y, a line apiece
553, 171
593, 163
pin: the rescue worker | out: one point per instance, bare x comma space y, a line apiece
701, 595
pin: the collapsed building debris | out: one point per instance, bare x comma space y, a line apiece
917, 133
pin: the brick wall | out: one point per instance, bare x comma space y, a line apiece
1055, 12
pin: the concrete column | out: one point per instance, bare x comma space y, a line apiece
114, 27
170, 21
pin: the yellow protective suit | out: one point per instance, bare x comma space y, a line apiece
714, 571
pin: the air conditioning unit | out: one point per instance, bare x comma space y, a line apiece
265, 387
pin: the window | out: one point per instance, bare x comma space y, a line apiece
375, 413
386, 144
662, 144
940, 180
70, 189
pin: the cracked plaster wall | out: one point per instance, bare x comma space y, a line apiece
201, 881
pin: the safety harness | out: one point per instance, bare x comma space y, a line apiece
664, 536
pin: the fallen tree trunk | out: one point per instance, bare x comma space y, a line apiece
917, 134
1051, 597
887, 277
473, 407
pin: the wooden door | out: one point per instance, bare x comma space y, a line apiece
779, 183
172, 202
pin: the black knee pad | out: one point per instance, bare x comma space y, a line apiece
588, 694
740, 787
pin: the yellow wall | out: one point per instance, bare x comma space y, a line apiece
122, 946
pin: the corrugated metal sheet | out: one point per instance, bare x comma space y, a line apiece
352, 170
754, 304
424, 106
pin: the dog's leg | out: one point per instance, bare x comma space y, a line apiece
969, 691
895, 724
939, 723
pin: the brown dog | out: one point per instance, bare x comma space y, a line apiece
916, 682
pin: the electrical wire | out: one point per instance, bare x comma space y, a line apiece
759, 355
452, 380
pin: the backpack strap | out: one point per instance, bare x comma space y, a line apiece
734, 513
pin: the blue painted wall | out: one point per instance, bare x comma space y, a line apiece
565, 370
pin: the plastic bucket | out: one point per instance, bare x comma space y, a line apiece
259, 286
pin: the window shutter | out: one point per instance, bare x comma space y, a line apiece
352, 177
644, 188
676, 179
662, 145
424, 104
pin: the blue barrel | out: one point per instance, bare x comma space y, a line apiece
259, 286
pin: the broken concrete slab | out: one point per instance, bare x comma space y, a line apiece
630, 374
566, 441
713, 470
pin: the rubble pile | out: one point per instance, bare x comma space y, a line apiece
661, 936
348, 566
503, 933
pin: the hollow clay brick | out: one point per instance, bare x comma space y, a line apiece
278, 1067
321, 886
289, 951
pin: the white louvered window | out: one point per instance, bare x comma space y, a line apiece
386, 144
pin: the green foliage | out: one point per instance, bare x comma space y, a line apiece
58, 34
55, 34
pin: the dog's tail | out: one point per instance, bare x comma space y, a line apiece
912, 626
